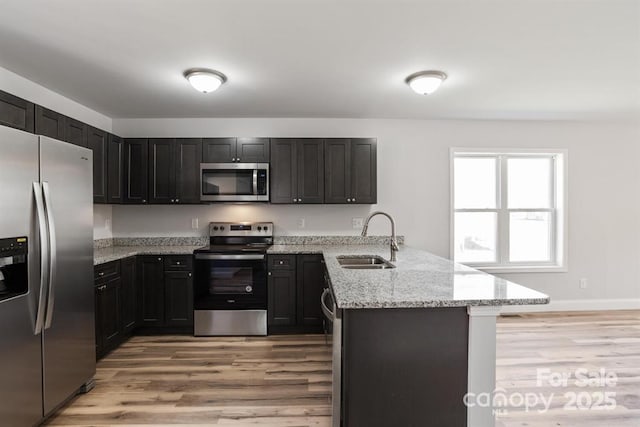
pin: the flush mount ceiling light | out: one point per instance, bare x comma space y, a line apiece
426, 82
205, 80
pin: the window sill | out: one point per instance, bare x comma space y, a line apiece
521, 269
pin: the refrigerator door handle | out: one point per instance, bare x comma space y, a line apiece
53, 258
44, 256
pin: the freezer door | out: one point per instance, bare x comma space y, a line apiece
20, 346
69, 333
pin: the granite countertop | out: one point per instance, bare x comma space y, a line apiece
113, 253
420, 279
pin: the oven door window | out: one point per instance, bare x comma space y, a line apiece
231, 281
227, 182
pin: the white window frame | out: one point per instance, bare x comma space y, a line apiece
559, 230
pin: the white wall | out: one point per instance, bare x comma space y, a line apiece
23, 88
413, 185
102, 221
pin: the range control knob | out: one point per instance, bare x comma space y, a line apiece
215, 228
259, 228
222, 227
265, 228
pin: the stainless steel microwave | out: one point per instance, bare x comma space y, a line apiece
234, 182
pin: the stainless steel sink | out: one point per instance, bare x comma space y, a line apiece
364, 262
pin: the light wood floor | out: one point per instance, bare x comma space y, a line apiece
285, 381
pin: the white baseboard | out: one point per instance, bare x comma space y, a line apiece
576, 305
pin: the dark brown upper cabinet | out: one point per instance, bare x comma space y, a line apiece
297, 170
135, 170
350, 170
49, 123
162, 177
76, 132
188, 159
234, 150
174, 170
16, 112
98, 141
115, 170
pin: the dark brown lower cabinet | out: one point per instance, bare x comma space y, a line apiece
129, 294
107, 320
294, 288
165, 294
178, 298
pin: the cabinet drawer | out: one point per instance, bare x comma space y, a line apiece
106, 271
282, 262
178, 262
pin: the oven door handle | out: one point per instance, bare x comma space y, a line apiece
230, 257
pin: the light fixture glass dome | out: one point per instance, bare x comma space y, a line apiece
205, 80
426, 82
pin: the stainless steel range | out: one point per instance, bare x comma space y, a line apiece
230, 282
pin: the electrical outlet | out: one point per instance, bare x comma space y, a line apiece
194, 223
302, 223
583, 283
357, 222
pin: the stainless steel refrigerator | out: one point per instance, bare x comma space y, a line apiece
47, 343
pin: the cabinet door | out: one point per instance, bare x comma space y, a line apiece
187, 167
135, 170
128, 295
178, 298
281, 291
337, 178
16, 112
218, 150
364, 171
98, 322
310, 174
98, 142
49, 123
115, 170
162, 175
310, 286
110, 300
283, 176
252, 150
75, 132
151, 291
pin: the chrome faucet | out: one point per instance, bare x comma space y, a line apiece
394, 242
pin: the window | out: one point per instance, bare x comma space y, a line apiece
508, 209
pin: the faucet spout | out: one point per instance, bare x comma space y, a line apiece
394, 242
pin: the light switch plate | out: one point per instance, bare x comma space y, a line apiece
302, 222
194, 223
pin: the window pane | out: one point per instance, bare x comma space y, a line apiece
528, 182
475, 183
529, 236
475, 236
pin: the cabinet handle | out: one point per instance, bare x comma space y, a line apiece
144, 201
177, 200
353, 200
349, 200
281, 262
238, 159
177, 262
101, 274
189, 274
159, 259
269, 273
233, 159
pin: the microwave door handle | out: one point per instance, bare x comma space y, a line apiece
255, 182
53, 257
44, 256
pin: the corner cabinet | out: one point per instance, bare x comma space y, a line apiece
351, 171
297, 170
295, 284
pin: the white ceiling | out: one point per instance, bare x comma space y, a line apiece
531, 59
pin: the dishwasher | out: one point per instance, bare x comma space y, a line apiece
333, 326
